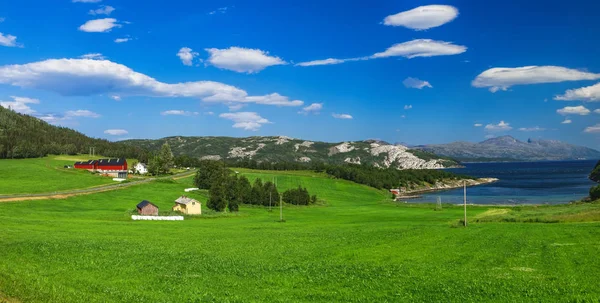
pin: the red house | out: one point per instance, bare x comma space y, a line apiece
108, 167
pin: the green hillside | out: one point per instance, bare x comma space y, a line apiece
357, 246
24, 136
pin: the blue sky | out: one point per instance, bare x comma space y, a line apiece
401, 71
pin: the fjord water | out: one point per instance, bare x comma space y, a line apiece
521, 183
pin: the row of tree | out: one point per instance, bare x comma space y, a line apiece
24, 136
227, 190
595, 176
389, 178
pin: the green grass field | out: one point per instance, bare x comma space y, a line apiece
356, 247
30, 176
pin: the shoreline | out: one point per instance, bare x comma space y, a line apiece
412, 194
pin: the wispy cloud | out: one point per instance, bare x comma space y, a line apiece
20, 104
574, 110
532, 129
103, 10
93, 56
406, 107
242, 60
82, 113
566, 121
416, 83
421, 48
314, 108
122, 40
116, 132
246, 120
502, 126
342, 116
86, 1
423, 17
501, 78
99, 25
592, 129
176, 112
478, 125
220, 10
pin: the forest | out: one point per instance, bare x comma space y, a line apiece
23, 136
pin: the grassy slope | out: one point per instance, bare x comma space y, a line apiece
40, 175
359, 247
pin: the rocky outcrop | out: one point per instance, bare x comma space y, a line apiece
399, 157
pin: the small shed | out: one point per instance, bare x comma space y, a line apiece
188, 206
147, 208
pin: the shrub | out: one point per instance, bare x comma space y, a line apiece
595, 192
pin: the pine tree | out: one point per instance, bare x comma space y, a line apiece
166, 158
218, 195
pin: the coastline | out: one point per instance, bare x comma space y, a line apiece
411, 194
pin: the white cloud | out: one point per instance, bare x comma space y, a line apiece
501, 78
9, 40
597, 111
274, 99
93, 56
588, 94
122, 40
103, 10
328, 61
573, 110
221, 10
478, 125
20, 104
421, 48
186, 55
592, 129
82, 113
567, 121
342, 116
99, 25
532, 129
423, 17
314, 108
416, 83
408, 106
116, 132
245, 120
242, 60
209, 113
502, 126
116, 97
176, 112
235, 106
86, 1
84, 77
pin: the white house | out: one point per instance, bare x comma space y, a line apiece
141, 168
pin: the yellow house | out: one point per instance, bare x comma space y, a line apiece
188, 206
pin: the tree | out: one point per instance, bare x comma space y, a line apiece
154, 165
244, 190
166, 158
218, 195
257, 193
595, 176
208, 171
271, 194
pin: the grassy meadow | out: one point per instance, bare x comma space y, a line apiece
356, 246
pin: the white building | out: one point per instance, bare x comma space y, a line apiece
141, 168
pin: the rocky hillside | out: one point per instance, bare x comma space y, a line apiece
507, 148
285, 149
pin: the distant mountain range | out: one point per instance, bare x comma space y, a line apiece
285, 149
507, 148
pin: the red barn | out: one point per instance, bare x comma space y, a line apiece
89, 165
112, 164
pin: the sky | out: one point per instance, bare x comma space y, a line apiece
401, 71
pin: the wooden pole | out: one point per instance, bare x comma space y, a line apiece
465, 201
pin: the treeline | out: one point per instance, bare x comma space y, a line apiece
23, 136
227, 190
595, 176
389, 178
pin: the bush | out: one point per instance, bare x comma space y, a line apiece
595, 192
298, 196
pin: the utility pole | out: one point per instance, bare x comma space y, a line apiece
465, 201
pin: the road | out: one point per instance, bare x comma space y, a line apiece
86, 191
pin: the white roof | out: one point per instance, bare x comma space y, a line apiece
185, 200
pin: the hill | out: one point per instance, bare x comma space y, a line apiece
24, 136
507, 148
285, 149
